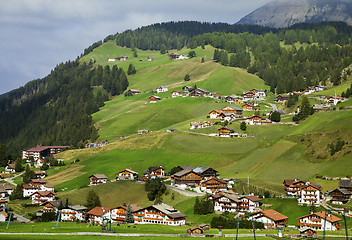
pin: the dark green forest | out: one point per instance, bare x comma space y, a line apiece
56, 110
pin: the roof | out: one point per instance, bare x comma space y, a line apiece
98, 211
252, 198
169, 211
99, 176
6, 186
316, 186
183, 172
217, 179
4, 213
44, 193
153, 168
134, 207
225, 128
345, 184
3, 201
289, 181
273, 215
129, 170
186, 167
41, 181
39, 172
28, 186
56, 203
77, 207
236, 108
342, 190
40, 148
48, 185
11, 165
329, 217
195, 227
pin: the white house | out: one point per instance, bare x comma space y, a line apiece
97, 214
42, 197
28, 190
127, 174
316, 221
176, 94
270, 218
3, 216
39, 162
163, 214
111, 60
181, 57
73, 213
226, 202
249, 203
162, 89
97, 179
310, 194
10, 168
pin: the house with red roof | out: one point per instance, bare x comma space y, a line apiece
249, 203
318, 220
97, 214
42, 151
42, 197
270, 218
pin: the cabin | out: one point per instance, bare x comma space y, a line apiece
195, 230
225, 132
232, 109
249, 203
42, 151
173, 56
204, 226
249, 107
213, 184
162, 89
53, 206
163, 214
127, 174
97, 214
254, 120
118, 214
134, 92
42, 197
10, 168
176, 94
310, 194
281, 98
340, 196
225, 202
97, 179
154, 99
345, 184
5, 190
308, 232
316, 221
73, 213
270, 218
187, 177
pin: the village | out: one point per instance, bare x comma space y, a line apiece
200, 179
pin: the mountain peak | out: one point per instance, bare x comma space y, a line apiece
284, 13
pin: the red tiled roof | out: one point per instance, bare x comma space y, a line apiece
98, 211
253, 198
44, 193
273, 215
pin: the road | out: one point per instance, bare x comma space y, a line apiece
185, 192
21, 219
273, 106
10, 180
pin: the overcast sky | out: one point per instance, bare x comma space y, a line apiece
36, 35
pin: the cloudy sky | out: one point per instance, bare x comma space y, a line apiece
38, 34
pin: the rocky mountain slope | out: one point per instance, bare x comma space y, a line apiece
284, 13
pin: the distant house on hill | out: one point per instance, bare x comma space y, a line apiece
127, 174
281, 98
225, 132
176, 94
134, 92
162, 89
154, 99
97, 179
42, 151
10, 168
151, 58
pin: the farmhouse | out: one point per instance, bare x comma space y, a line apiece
206, 172
340, 196
316, 221
151, 58
162, 89
154, 99
249, 203
134, 92
97, 214
10, 168
225, 132
53, 206
176, 94
248, 107
186, 177
127, 174
345, 184
154, 172
42, 197
310, 194
42, 151
225, 202
293, 186
163, 214
281, 98
118, 214
214, 114
97, 179
5, 190
270, 218
213, 184
187, 88
334, 100
196, 125
73, 213
254, 120
195, 230
122, 58
215, 95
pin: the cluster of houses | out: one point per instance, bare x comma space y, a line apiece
198, 125
39, 191
254, 95
313, 89
42, 152
342, 194
175, 56
306, 192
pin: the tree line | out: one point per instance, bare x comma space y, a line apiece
59, 113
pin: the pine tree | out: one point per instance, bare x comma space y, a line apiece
18, 165
129, 215
243, 126
28, 175
92, 200
187, 77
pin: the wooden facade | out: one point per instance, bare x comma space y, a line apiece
214, 184
187, 177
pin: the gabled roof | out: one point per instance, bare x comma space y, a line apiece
316, 186
329, 217
184, 172
186, 167
28, 186
6, 186
289, 181
134, 207
252, 198
98, 211
40, 148
225, 128
77, 207
129, 170
44, 193
341, 190
168, 210
11, 166
55, 203
98, 176
345, 184
38, 181
273, 215
214, 178
153, 168
4, 214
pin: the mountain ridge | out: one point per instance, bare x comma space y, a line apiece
284, 13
